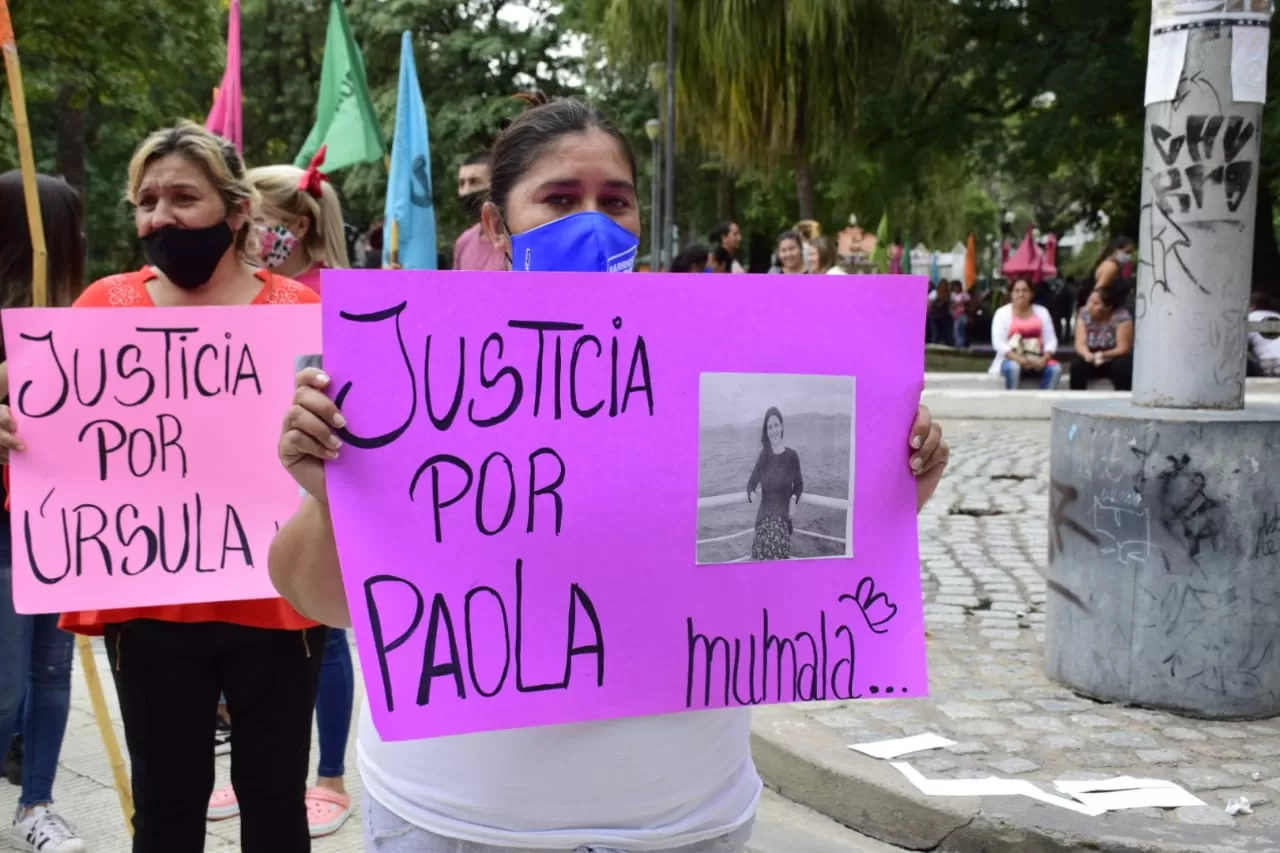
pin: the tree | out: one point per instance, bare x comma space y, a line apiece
767, 82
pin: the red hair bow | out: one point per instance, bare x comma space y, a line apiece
313, 179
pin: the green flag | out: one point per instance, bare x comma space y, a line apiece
345, 120
906, 256
880, 257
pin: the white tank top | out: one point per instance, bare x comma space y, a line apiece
642, 784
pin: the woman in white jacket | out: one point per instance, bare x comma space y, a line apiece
1025, 341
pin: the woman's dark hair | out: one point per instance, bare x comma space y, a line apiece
535, 130
1110, 299
1116, 244
717, 234
721, 256
765, 447
944, 291
692, 259
63, 238
790, 235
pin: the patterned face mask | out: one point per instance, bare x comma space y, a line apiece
278, 244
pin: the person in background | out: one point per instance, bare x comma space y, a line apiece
1104, 343
790, 254
678, 783
473, 250
300, 229
809, 230
1264, 347
1108, 270
728, 236
961, 302
373, 246
720, 260
194, 210
938, 315
35, 655
828, 259
1024, 340
296, 206
691, 259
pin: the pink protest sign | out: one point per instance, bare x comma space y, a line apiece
150, 475
576, 497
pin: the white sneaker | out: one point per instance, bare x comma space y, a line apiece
43, 831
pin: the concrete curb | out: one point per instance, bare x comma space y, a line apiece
812, 765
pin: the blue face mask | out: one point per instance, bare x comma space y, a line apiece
580, 242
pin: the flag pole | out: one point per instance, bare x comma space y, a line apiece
393, 253
40, 298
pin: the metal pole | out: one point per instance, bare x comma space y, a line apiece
669, 229
655, 226
1199, 195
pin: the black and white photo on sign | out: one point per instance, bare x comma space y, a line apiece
775, 467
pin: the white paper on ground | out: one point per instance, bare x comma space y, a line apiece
1142, 798
989, 787
1165, 60
1118, 783
901, 746
1249, 48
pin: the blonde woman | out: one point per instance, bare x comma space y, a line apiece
299, 225
300, 231
194, 210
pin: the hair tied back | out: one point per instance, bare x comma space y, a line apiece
312, 181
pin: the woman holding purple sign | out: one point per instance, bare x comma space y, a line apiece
562, 198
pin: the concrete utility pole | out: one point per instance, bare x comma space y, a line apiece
1164, 527
669, 229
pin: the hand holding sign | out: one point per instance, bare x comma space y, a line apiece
308, 439
929, 457
8, 435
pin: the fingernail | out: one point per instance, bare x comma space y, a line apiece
335, 442
339, 421
332, 454
917, 464
20, 448
322, 378
917, 442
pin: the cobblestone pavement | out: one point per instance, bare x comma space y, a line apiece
982, 539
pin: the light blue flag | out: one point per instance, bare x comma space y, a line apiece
934, 272
409, 200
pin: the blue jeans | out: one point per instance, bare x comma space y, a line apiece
35, 685
384, 832
1012, 373
333, 704
962, 331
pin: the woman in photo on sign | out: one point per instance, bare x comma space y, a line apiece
1104, 343
682, 782
300, 232
1024, 340
35, 655
300, 228
777, 478
194, 210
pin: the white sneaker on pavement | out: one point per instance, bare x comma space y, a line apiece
43, 831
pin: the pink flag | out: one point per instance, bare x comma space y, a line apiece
227, 116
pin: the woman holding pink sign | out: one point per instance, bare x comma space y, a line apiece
194, 212
35, 656
562, 198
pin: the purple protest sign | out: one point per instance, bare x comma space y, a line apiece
578, 497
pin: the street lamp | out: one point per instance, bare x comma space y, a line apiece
652, 128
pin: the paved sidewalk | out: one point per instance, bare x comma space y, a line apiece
981, 540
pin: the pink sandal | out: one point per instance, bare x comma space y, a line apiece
223, 804
327, 811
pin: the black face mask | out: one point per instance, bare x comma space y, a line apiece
188, 256
472, 203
